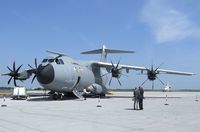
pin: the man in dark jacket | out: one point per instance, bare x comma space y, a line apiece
136, 98
141, 97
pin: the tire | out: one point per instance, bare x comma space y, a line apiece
55, 96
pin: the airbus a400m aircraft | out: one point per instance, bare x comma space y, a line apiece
62, 74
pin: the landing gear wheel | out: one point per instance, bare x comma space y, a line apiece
55, 96
60, 96
101, 95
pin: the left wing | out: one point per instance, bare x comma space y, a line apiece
108, 66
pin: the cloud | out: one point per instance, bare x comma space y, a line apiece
168, 24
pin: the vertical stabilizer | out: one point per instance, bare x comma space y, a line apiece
104, 51
104, 54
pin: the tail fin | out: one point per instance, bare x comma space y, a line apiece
104, 51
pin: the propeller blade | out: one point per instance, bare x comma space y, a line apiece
36, 63
15, 82
9, 69
112, 64
119, 82
160, 81
30, 66
118, 64
147, 69
110, 81
35, 70
10, 80
105, 74
144, 82
14, 67
158, 66
151, 67
19, 68
120, 68
33, 79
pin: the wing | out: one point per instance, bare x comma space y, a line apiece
162, 71
108, 66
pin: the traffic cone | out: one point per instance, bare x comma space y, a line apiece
166, 100
196, 98
4, 102
99, 105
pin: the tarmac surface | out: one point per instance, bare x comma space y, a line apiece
40, 114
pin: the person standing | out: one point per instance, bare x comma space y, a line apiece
141, 97
136, 98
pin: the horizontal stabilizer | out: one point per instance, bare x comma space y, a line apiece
104, 51
99, 51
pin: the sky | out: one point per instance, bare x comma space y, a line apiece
160, 31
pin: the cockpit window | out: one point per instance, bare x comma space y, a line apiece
59, 61
45, 60
51, 60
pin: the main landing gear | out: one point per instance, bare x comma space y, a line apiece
57, 96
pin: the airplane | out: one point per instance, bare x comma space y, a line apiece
167, 88
63, 75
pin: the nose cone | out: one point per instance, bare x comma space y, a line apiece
46, 74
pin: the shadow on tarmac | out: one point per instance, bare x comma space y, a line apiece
40, 99
132, 109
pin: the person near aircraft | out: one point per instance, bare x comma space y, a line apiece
136, 98
141, 97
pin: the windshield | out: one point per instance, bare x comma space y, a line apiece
45, 60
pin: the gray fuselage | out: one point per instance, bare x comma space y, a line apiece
66, 73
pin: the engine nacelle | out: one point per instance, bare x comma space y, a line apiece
151, 75
116, 72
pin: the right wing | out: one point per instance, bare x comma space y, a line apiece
138, 68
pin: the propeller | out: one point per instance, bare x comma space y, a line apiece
115, 72
152, 75
14, 73
35, 70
